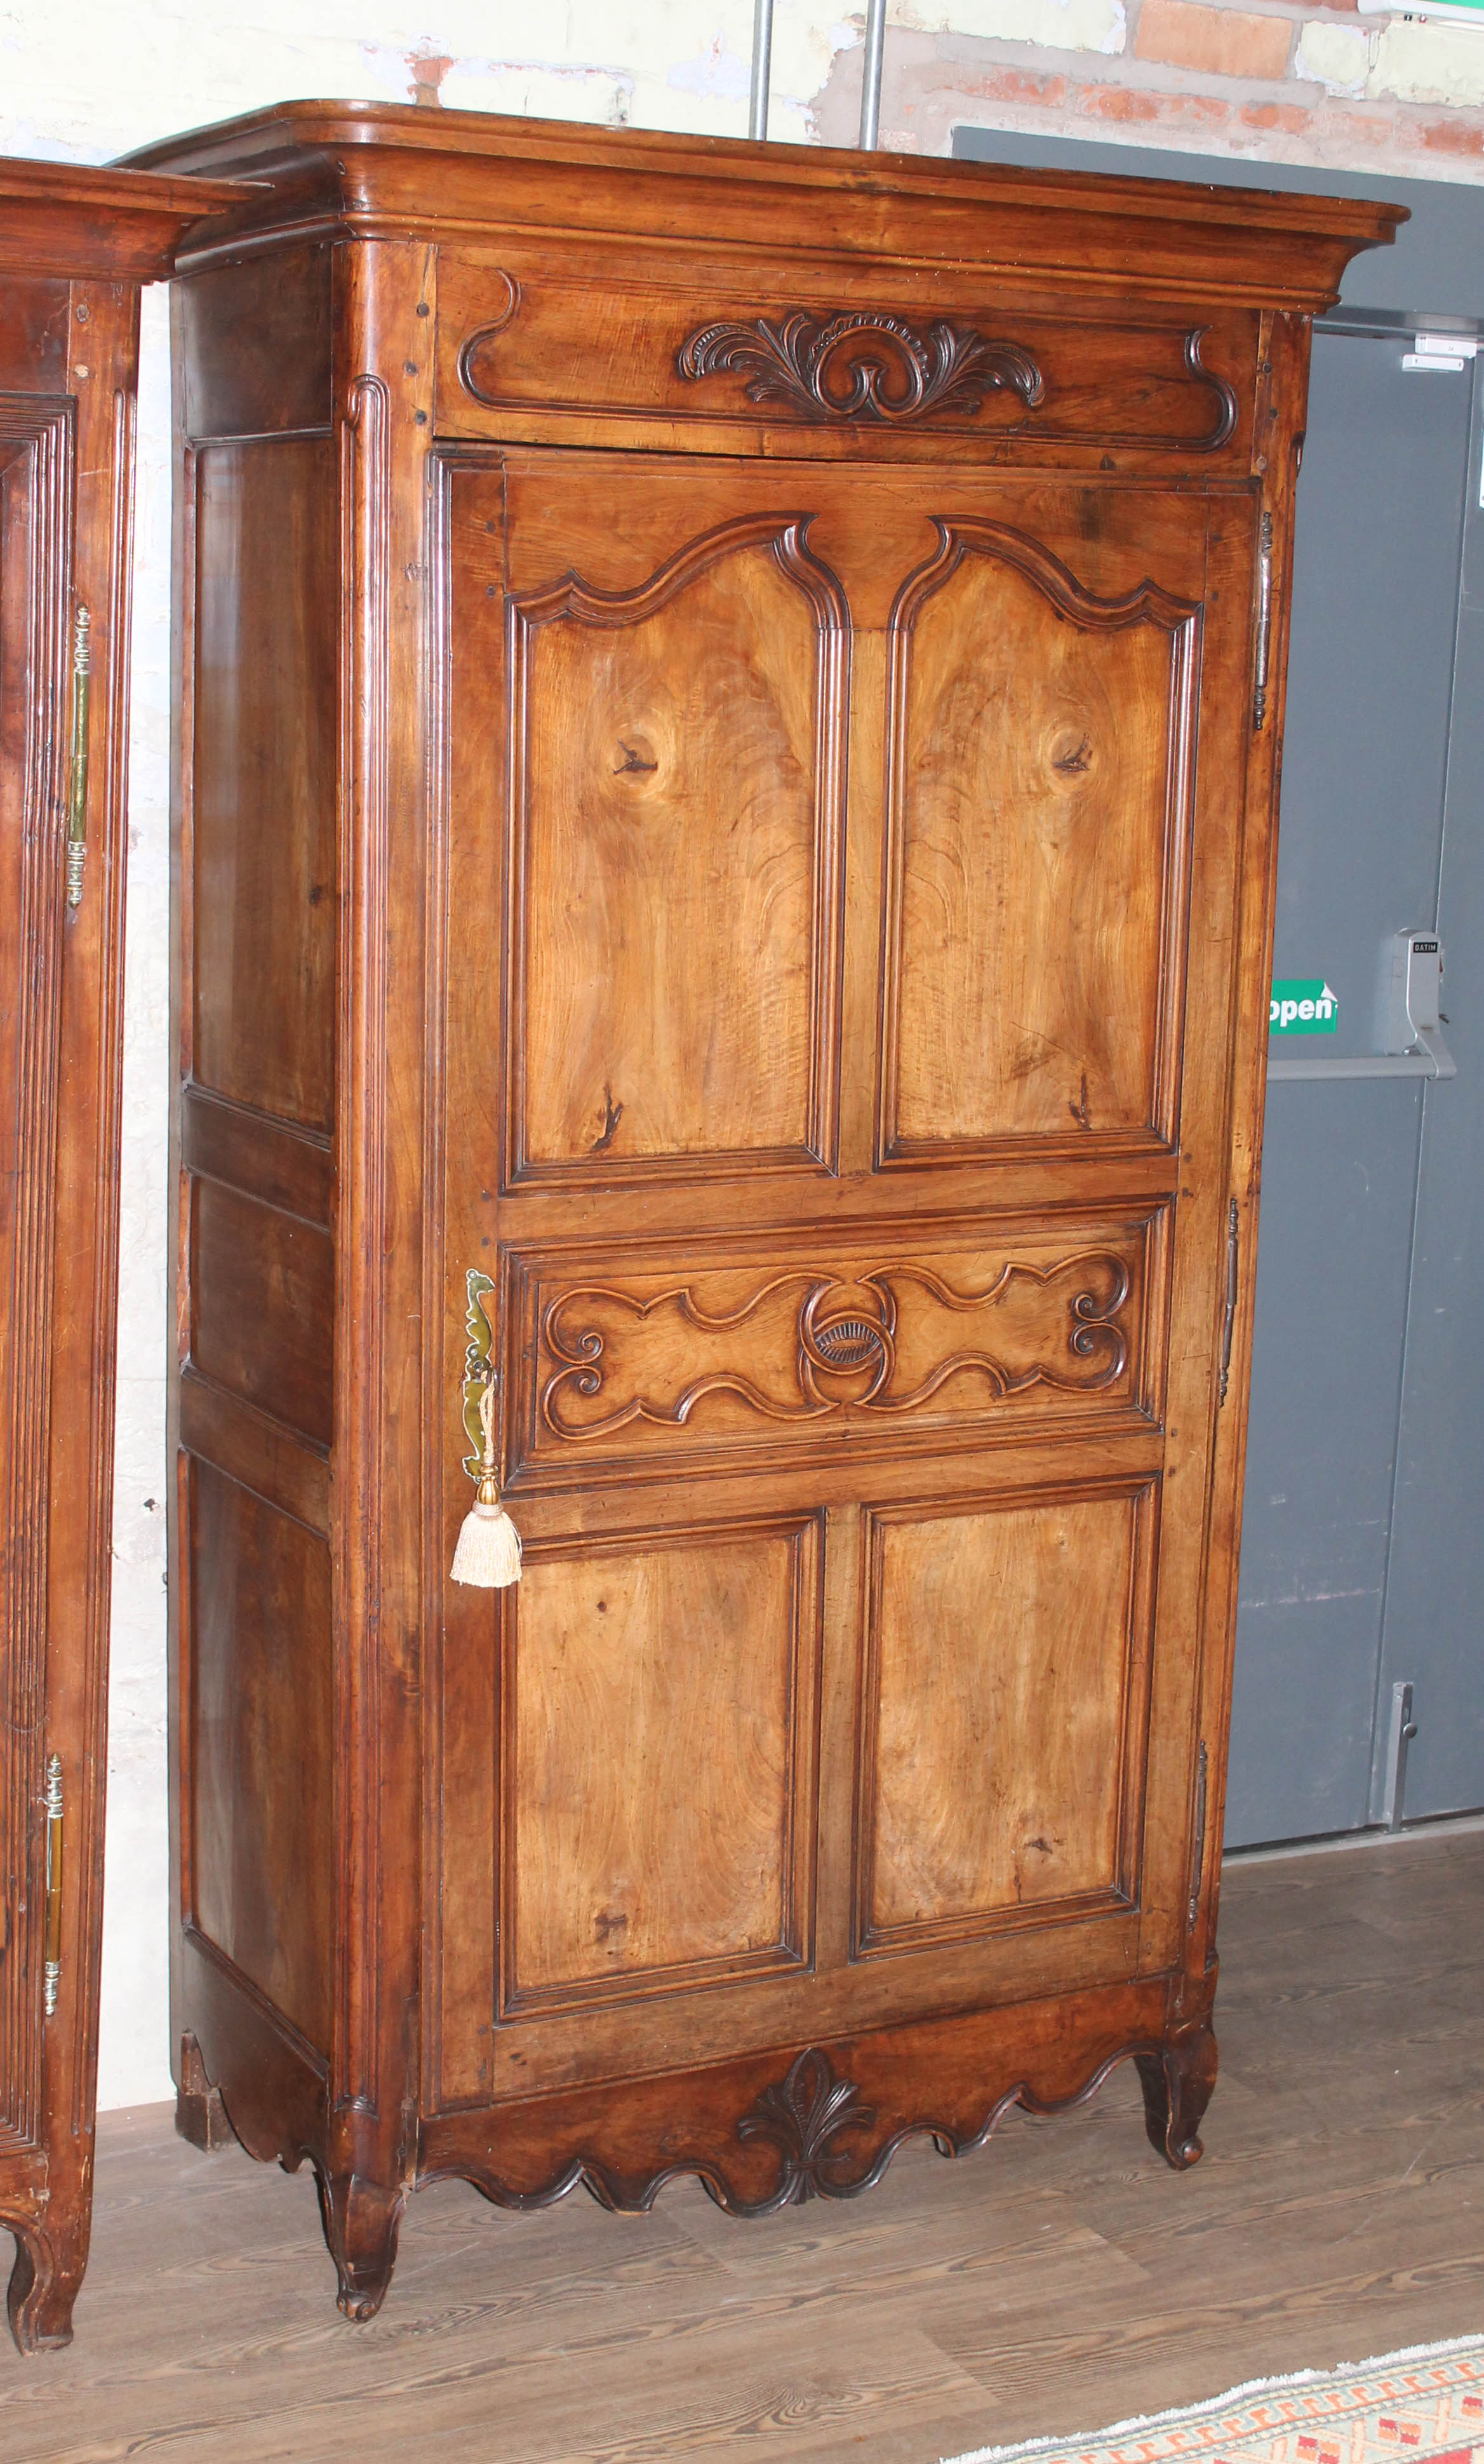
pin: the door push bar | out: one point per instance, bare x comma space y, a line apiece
870, 84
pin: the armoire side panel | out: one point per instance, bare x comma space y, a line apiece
260, 1858
264, 773
262, 1294
255, 340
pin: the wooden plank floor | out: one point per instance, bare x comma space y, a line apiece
1057, 2281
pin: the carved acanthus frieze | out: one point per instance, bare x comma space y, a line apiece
863, 365
804, 1344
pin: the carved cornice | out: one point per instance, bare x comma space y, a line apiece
911, 371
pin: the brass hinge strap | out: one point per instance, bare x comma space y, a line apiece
1198, 1844
78, 792
55, 1842
1229, 1314
1264, 623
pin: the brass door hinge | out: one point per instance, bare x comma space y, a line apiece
1264, 623
77, 791
1198, 1842
52, 1973
1233, 1287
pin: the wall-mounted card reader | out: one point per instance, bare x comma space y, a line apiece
1413, 992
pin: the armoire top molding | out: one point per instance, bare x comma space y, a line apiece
374, 170
76, 220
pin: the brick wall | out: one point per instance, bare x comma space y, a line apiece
1295, 80
1272, 80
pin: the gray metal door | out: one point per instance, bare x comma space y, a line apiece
1433, 1631
1379, 535
1362, 1552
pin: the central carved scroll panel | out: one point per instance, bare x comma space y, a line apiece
682, 1365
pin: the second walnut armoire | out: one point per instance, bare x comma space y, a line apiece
730, 703
76, 243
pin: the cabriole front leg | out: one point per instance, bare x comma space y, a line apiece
1177, 2088
44, 2283
362, 2220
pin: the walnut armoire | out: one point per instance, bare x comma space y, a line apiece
730, 701
76, 243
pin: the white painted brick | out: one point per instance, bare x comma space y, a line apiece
1335, 57
1421, 63
530, 91
1051, 24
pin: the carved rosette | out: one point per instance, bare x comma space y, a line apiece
801, 2114
847, 1341
863, 365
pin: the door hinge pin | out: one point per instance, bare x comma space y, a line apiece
77, 794
54, 1882
1264, 623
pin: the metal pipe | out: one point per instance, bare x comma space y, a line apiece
1361, 1065
871, 77
762, 68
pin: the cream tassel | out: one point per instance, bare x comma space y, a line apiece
488, 1554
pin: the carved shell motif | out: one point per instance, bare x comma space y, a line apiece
826, 369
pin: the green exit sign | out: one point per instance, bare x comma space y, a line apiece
1302, 1005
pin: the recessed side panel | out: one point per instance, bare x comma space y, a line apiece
675, 768
1005, 1688
1040, 765
259, 1854
262, 1285
255, 343
676, 1672
262, 891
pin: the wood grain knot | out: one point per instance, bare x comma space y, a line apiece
1071, 754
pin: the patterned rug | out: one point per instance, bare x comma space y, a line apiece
1425, 2405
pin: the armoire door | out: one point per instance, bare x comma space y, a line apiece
839, 926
